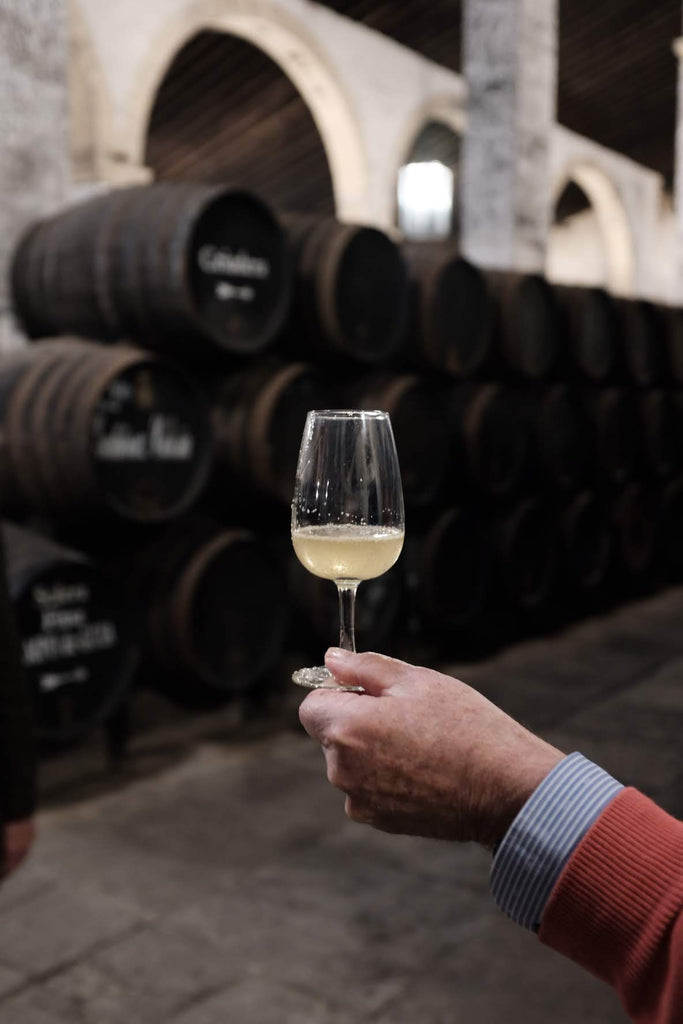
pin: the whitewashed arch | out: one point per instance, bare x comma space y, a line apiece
130, 88
616, 232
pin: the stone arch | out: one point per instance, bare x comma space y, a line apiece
286, 40
612, 218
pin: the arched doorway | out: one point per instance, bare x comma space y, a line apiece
226, 112
590, 241
427, 206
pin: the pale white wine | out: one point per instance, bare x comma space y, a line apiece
340, 552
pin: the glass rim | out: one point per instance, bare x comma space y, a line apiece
348, 414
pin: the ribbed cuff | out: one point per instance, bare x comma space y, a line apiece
620, 892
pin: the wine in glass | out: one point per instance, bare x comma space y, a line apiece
347, 514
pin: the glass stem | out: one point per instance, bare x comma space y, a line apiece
347, 608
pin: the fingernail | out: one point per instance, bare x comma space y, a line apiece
338, 655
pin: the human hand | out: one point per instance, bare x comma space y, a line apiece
17, 839
422, 753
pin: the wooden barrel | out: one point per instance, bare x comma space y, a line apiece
585, 539
78, 642
635, 522
559, 437
258, 422
379, 606
615, 435
418, 411
671, 534
640, 342
671, 320
196, 269
215, 609
452, 311
589, 331
662, 432
528, 326
490, 437
526, 547
450, 562
351, 293
89, 429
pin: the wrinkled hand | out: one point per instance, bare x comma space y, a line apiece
422, 753
17, 839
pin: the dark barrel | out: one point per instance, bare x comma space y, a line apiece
351, 293
450, 565
316, 608
671, 320
490, 437
640, 342
215, 609
635, 522
79, 647
585, 539
200, 270
671, 534
661, 424
90, 429
589, 330
258, 420
526, 547
452, 311
615, 435
559, 437
528, 326
418, 412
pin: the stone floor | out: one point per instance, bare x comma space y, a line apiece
215, 880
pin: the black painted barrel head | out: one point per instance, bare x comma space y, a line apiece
418, 420
641, 333
365, 294
530, 327
78, 647
672, 326
636, 519
150, 442
562, 438
454, 569
238, 272
586, 542
662, 432
671, 534
236, 613
529, 559
496, 440
593, 327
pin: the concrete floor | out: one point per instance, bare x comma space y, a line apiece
216, 880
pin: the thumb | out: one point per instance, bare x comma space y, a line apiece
376, 673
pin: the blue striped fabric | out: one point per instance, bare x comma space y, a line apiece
544, 835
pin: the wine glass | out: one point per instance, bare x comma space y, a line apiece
347, 513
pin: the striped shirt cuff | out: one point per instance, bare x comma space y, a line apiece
545, 833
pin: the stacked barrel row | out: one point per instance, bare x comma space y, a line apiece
538, 431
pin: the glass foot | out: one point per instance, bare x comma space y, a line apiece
320, 678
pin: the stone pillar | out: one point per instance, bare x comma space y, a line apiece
510, 66
678, 175
33, 128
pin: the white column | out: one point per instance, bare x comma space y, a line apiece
510, 66
33, 127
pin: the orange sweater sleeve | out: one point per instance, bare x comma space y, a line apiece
617, 908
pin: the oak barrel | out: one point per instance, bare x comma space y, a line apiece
590, 332
200, 270
635, 521
528, 326
452, 314
526, 547
351, 293
586, 545
215, 608
640, 342
615, 435
78, 641
559, 437
490, 437
93, 429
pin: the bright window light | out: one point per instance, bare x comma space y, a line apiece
425, 200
